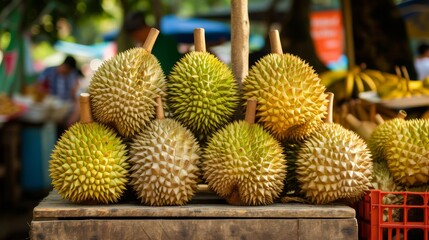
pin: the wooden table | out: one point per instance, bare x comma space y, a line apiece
55, 218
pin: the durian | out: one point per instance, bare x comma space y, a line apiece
288, 91
407, 152
89, 161
333, 164
382, 133
203, 94
164, 161
124, 87
244, 164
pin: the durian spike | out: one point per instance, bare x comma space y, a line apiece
379, 119
159, 108
85, 108
150, 40
250, 111
330, 97
363, 128
199, 40
276, 46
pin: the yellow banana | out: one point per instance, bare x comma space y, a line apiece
376, 75
359, 84
349, 84
369, 81
330, 77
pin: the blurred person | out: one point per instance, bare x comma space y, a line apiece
62, 82
165, 48
422, 61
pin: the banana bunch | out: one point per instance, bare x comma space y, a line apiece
400, 86
348, 84
7, 107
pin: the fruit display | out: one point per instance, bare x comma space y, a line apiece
202, 91
244, 164
333, 164
89, 163
291, 98
164, 162
124, 88
407, 152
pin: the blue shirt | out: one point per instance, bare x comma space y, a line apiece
59, 85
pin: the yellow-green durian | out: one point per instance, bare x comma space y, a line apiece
334, 164
407, 153
289, 93
380, 136
202, 93
244, 164
89, 164
123, 90
165, 160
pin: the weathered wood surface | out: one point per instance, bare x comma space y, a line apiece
165, 229
55, 207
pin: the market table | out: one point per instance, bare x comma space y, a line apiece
205, 217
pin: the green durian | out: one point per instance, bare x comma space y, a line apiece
407, 152
89, 163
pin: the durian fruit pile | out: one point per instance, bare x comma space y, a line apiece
282, 145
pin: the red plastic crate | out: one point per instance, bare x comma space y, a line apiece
406, 219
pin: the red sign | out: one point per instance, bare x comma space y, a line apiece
10, 59
327, 33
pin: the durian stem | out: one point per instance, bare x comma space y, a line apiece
150, 40
372, 112
378, 119
159, 108
353, 121
276, 45
401, 114
329, 116
234, 198
199, 40
250, 111
85, 108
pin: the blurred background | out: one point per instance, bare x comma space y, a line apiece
37, 38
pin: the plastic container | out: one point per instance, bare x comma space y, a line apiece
405, 219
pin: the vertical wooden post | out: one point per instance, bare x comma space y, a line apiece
348, 30
239, 40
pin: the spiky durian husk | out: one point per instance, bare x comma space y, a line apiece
334, 164
298, 133
89, 164
407, 153
123, 90
244, 160
203, 94
164, 164
380, 136
288, 92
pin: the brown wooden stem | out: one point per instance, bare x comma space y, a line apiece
150, 40
250, 111
401, 114
276, 45
348, 27
379, 119
329, 116
199, 40
85, 108
239, 40
159, 108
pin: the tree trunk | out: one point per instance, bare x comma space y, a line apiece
295, 34
380, 36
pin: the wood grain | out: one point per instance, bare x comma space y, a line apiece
166, 229
54, 207
311, 229
240, 40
